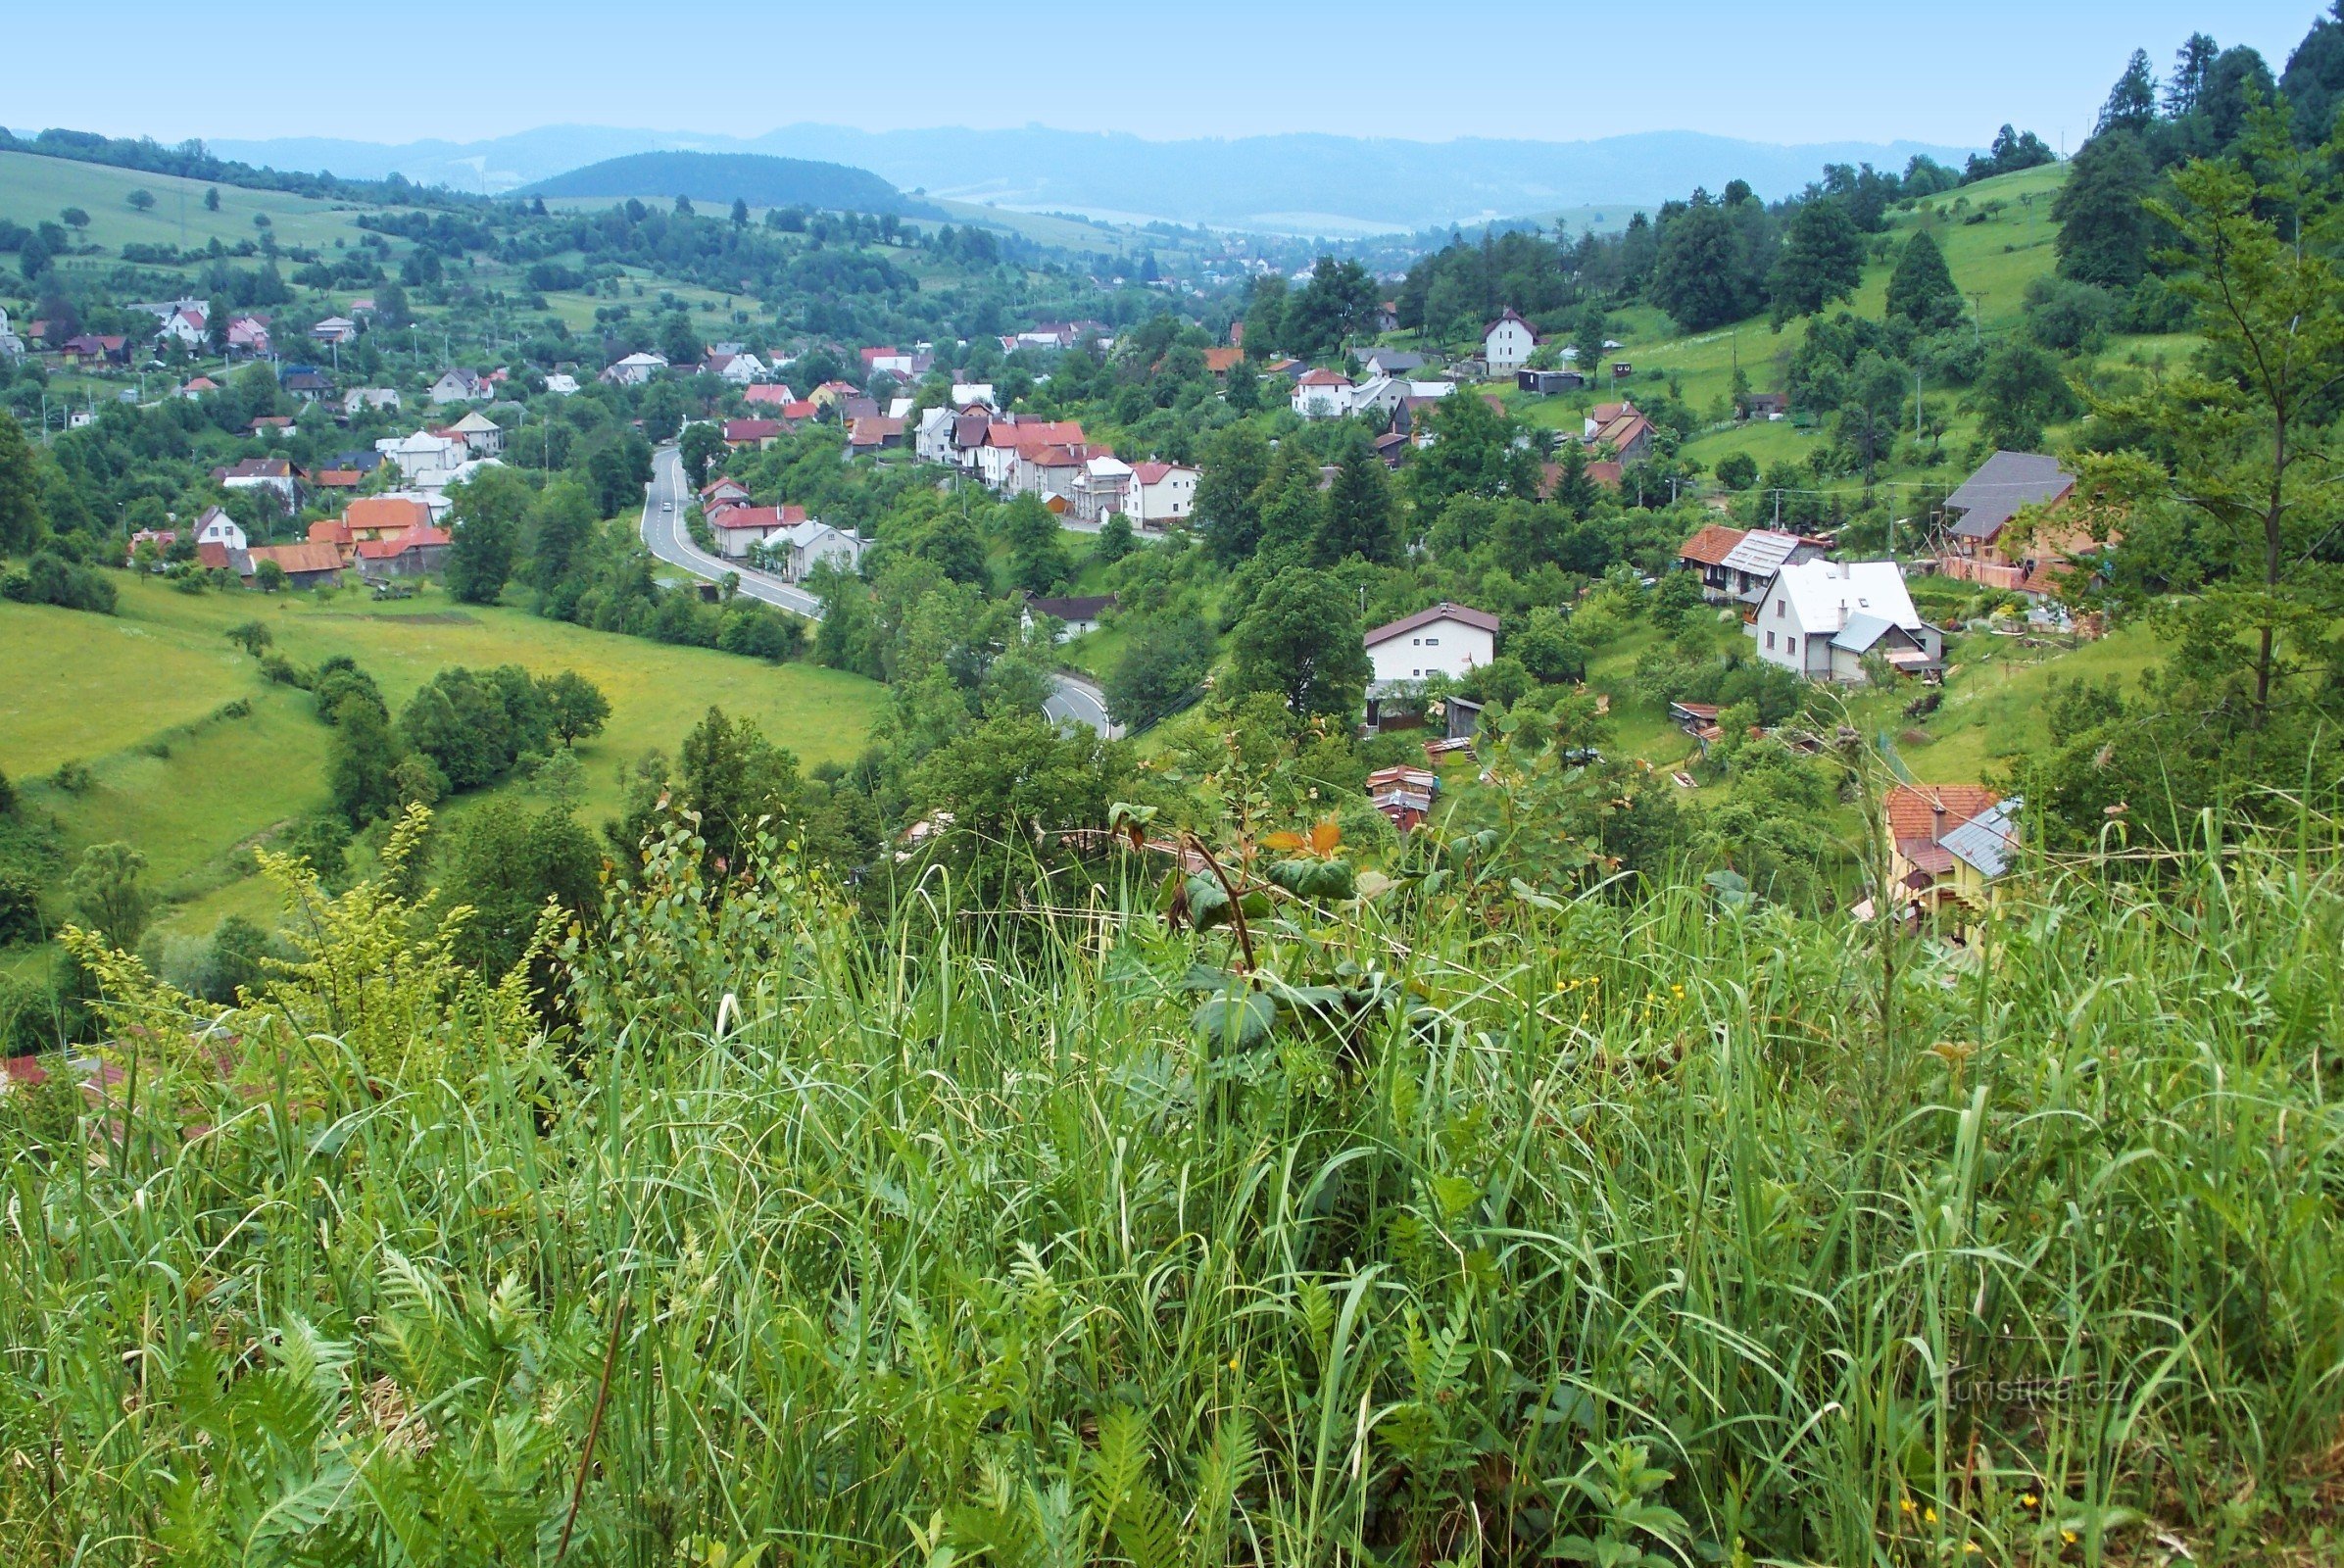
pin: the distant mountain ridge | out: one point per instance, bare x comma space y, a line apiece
758, 178
1298, 183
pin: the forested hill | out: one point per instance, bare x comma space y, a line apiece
752, 178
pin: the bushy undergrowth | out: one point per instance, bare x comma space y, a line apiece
1621, 1231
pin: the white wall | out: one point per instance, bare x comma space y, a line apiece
1445, 647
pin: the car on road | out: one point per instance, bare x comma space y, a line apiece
667, 506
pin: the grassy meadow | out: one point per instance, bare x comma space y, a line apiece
35, 190
1641, 1225
136, 697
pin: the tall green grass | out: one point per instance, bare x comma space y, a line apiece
927, 1245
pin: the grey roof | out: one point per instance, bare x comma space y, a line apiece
2002, 484
1392, 361
1986, 842
1761, 552
1861, 632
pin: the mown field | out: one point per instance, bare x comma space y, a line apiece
136, 697
35, 190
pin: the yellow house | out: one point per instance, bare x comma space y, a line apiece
1983, 849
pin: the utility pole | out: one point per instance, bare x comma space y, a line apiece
1978, 318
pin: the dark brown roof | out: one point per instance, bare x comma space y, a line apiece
1085, 608
1481, 619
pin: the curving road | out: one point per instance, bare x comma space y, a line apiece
1071, 699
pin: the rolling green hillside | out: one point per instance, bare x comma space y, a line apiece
36, 189
137, 698
721, 178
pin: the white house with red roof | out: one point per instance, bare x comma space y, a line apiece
1161, 494
185, 326
736, 527
1508, 342
1322, 395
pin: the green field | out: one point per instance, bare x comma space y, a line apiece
134, 696
35, 190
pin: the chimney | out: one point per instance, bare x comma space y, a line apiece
1936, 818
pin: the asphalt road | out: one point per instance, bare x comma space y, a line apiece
1070, 701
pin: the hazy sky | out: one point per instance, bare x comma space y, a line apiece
1778, 71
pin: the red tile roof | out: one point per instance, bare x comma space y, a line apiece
1913, 810
1711, 546
751, 429
420, 537
757, 516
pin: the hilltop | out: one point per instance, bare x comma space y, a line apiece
756, 178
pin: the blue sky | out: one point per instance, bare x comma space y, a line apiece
1775, 70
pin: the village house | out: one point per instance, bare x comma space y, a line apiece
187, 325
743, 434
561, 384
932, 442
1982, 545
90, 348
425, 459
1620, 427
1396, 362
1103, 485
305, 381
636, 370
767, 392
275, 474
741, 370
334, 329
482, 436
722, 492
305, 565
816, 542
1821, 620
1983, 849
11, 345
213, 527
1736, 566
1447, 639
1322, 395
1160, 495
416, 553
1077, 617
1508, 342
873, 432
736, 525
370, 399
460, 386
248, 336
1918, 817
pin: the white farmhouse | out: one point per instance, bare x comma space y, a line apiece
1322, 395
216, 528
1445, 640
462, 386
635, 369
1161, 494
1820, 618
424, 460
1507, 343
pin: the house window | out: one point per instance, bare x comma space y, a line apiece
1432, 641
1416, 642
1770, 639
1778, 609
1790, 645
